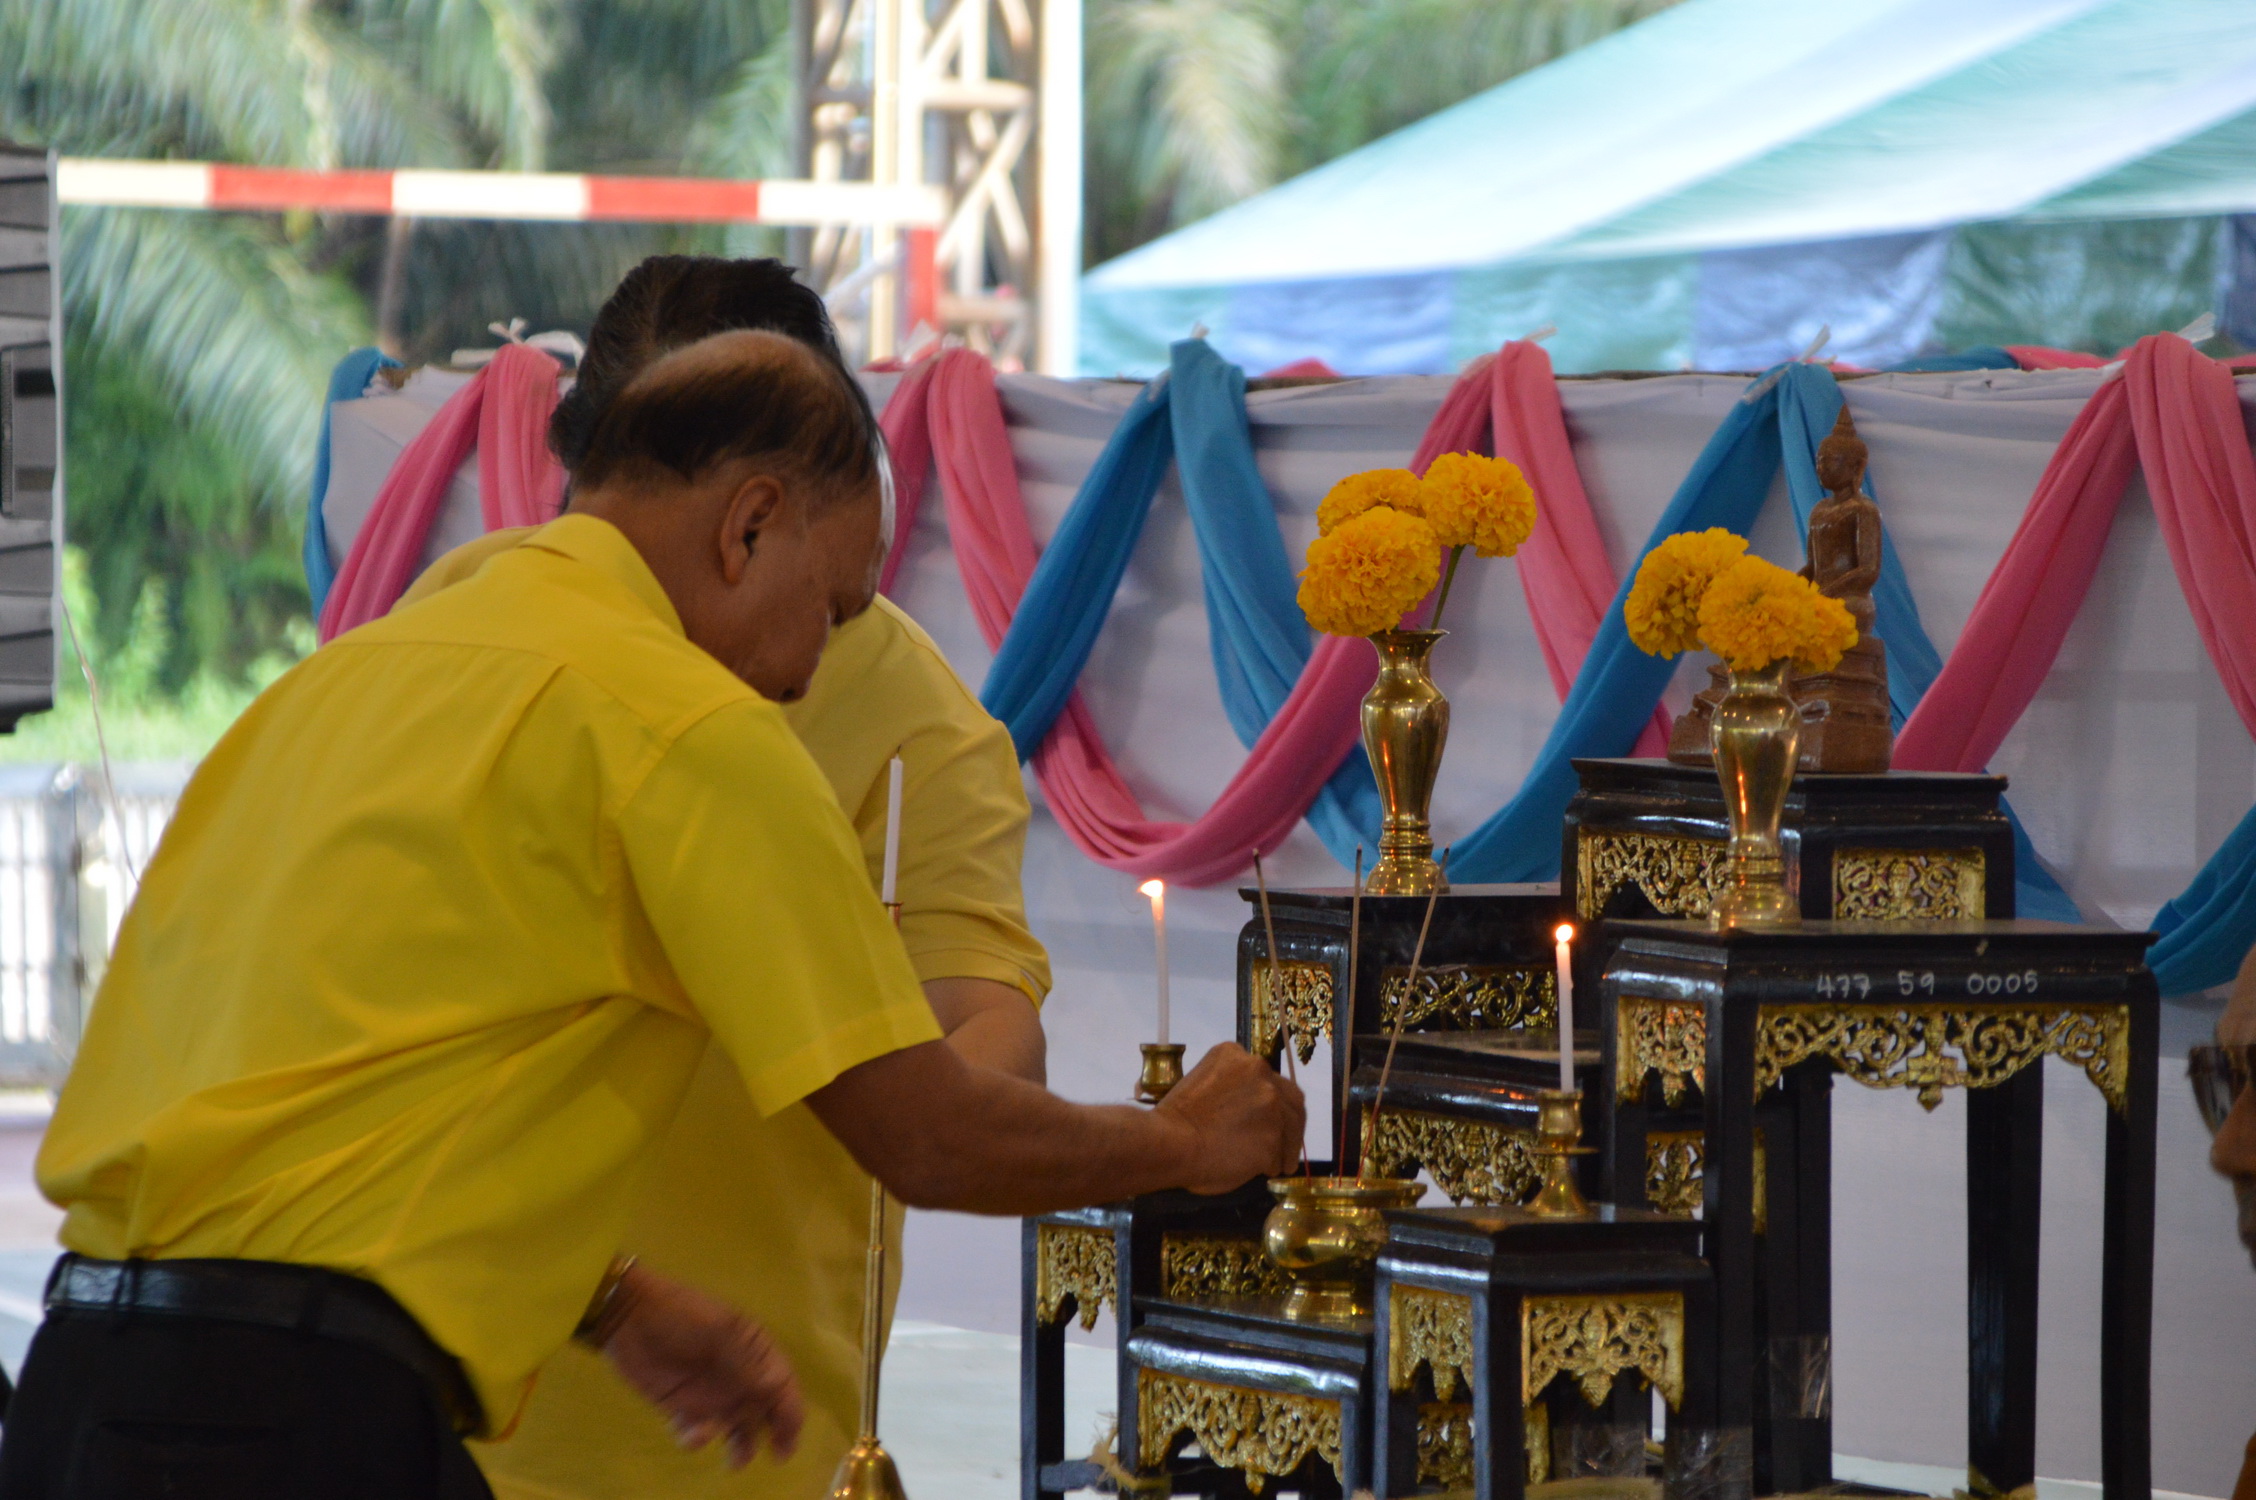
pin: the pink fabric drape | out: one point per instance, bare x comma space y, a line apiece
504, 413
2175, 414
1507, 405
945, 413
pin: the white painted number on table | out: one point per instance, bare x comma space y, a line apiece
1922, 982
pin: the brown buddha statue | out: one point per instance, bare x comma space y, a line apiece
1845, 723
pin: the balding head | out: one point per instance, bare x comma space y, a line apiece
743, 397
745, 473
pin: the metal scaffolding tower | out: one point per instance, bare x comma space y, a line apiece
981, 98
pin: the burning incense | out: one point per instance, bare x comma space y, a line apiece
1277, 992
1354, 944
1394, 1035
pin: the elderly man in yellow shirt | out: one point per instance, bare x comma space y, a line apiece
432, 952
771, 1214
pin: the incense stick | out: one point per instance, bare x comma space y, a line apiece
1409, 994
1277, 994
1354, 944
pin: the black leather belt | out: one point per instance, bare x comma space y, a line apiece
270, 1294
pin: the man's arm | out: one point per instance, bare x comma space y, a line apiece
940, 1133
991, 1025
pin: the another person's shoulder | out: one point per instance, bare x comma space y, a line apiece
882, 669
453, 567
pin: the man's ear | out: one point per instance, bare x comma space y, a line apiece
751, 506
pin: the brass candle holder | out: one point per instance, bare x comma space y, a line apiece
1558, 1141
1163, 1069
1326, 1232
867, 1472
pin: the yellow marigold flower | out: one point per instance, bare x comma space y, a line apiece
1481, 502
1368, 572
1397, 489
1757, 613
1663, 610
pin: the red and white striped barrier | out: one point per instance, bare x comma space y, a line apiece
558, 196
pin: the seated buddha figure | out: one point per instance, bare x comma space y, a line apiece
1845, 725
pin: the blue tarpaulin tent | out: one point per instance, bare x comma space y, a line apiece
1708, 187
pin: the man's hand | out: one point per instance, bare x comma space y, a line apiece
940, 1133
711, 1370
1249, 1117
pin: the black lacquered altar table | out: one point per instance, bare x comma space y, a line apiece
1756, 1023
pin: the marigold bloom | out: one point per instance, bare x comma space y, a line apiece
1757, 613
1368, 572
1663, 609
1396, 489
1477, 501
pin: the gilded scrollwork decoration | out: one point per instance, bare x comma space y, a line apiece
1676, 875
1433, 1328
1445, 1444
1909, 885
1591, 1339
1469, 1160
1469, 997
1198, 1266
1669, 1037
1264, 1435
1070, 1260
1291, 1001
1676, 1174
1931, 1046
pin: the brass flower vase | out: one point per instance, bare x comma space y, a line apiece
1756, 735
1405, 726
1326, 1234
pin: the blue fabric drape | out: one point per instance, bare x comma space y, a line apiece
346, 382
1066, 600
1260, 638
2207, 927
1614, 693
1194, 415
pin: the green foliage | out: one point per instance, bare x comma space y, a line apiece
169, 510
140, 722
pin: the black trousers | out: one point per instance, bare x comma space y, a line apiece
136, 1405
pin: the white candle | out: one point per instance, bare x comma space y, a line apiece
889, 890
1157, 890
1565, 935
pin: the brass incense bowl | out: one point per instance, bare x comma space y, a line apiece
1326, 1232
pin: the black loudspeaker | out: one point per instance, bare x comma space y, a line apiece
31, 432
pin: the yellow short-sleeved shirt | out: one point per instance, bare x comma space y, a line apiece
435, 943
773, 1214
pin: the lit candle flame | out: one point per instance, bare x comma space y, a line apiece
1565, 933
1157, 889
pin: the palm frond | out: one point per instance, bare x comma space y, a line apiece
226, 318
489, 59
1190, 96
204, 78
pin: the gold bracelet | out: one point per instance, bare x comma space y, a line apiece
606, 1309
